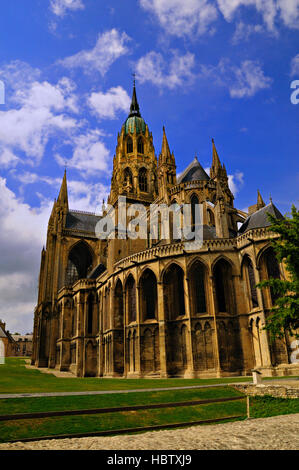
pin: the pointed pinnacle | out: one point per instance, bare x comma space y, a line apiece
165, 147
260, 201
216, 160
63, 196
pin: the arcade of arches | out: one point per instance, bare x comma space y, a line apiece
182, 322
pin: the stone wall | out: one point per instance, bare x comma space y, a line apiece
278, 391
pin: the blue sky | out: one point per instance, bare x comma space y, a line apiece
204, 68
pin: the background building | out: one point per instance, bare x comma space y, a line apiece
141, 308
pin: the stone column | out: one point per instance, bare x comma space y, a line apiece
265, 347
190, 367
162, 330
212, 302
138, 348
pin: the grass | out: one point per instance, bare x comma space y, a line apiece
13, 430
15, 378
266, 406
35, 405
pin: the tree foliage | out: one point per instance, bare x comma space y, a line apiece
285, 312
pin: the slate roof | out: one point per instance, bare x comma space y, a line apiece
82, 221
193, 172
259, 218
96, 272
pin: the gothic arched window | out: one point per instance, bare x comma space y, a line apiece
140, 145
194, 208
272, 270
252, 284
79, 263
131, 299
174, 297
129, 145
224, 286
148, 284
128, 178
143, 180
197, 282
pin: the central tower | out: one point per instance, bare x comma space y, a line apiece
135, 163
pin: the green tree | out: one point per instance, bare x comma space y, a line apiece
285, 312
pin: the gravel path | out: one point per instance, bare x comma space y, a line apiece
278, 432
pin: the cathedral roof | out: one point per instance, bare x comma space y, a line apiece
96, 272
260, 219
194, 172
82, 221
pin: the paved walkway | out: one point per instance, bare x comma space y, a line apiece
293, 382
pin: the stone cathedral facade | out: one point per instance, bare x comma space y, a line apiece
146, 307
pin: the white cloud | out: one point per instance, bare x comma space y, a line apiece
90, 154
289, 12
19, 75
60, 7
40, 111
170, 74
7, 158
249, 79
236, 182
106, 105
245, 31
23, 231
109, 47
295, 65
22, 235
191, 17
242, 81
182, 17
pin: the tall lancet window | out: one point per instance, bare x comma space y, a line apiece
143, 180
129, 145
140, 146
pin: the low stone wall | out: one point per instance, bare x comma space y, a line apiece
278, 391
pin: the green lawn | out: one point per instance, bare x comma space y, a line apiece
35, 405
15, 378
13, 430
262, 407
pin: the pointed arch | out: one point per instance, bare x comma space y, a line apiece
80, 261
148, 295
174, 294
118, 305
194, 203
249, 278
128, 177
142, 180
197, 277
130, 147
131, 298
269, 268
222, 273
140, 145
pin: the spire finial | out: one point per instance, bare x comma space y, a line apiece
134, 109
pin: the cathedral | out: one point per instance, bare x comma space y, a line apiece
147, 307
